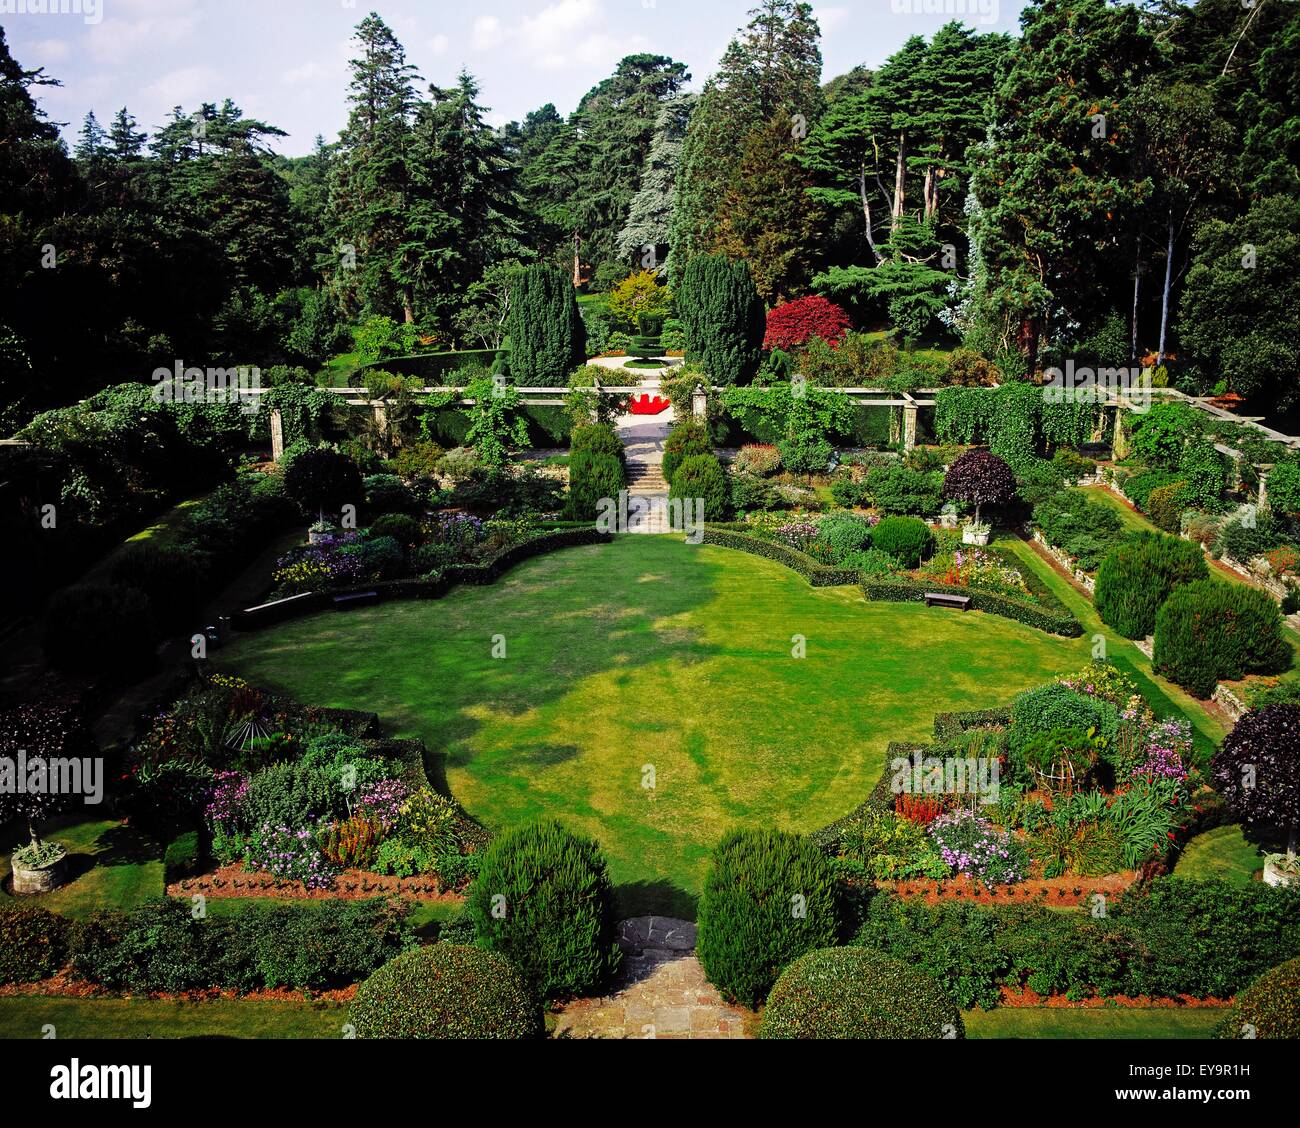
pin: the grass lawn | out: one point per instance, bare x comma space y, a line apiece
1093, 1022
27, 1015
1131, 520
112, 867
648, 653
339, 370
1222, 852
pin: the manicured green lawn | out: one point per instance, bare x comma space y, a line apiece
111, 865
1094, 1022
1129, 518
651, 654
28, 1015
1222, 852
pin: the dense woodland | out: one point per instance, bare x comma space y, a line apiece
1117, 183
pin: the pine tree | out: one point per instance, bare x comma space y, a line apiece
125, 141
92, 141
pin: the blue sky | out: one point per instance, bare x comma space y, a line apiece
285, 61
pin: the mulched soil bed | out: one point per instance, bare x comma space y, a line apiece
1025, 997
1064, 891
354, 885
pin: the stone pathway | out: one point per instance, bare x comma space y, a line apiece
660, 993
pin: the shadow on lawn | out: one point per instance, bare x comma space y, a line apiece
654, 898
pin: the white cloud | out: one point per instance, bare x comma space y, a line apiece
439, 45
47, 51
116, 40
831, 18
565, 34
488, 33
187, 85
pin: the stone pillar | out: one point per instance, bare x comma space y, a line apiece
1263, 487
1120, 442
909, 428
381, 420
700, 402
277, 435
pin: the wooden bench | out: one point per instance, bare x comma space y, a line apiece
942, 599
355, 599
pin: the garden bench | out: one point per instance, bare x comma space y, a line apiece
355, 599
941, 599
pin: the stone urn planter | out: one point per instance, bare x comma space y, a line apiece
977, 535
29, 879
318, 534
1276, 874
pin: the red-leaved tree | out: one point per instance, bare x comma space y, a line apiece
1257, 770
793, 325
980, 478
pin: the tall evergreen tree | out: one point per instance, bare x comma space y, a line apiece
648, 230
723, 318
547, 337
92, 141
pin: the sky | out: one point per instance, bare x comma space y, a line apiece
285, 61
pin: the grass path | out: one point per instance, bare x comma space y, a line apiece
648, 661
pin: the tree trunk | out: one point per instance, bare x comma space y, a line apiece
577, 260
866, 212
1164, 302
1294, 842
1137, 291
900, 183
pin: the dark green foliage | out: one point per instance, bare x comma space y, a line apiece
688, 438
594, 476
702, 478
1053, 707
1165, 506
181, 858
397, 527
1210, 631
1084, 529
1268, 1008
907, 539
1240, 540
843, 534
1138, 489
547, 335
1137, 577
601, 438
900, 490
770, 897
1205, 471
33, 944
158, 947
292, 795
723, 318
543, 900
858, 993
322, 481
816, 573
170, 577
445, 992
1159, 435
97, 629
387, 493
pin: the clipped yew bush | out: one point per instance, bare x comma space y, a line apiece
907, 539
446, 991
599, 437
1268, 1008
858, 993
722, 317
687, 438
33, 944
1210, 631
1137, 577
547, 334
770, 897
543, 900
594, 476
702, 478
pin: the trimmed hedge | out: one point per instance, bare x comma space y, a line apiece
817, 574
543, 900
907, 539
1268, 1008
446, 991
1137, 577
181, 858
33, 944
474, 575
432, 368
1051, 616
770, 897
950, 726
701, 478
594, 476
858, 993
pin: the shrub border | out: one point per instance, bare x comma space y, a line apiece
818, 575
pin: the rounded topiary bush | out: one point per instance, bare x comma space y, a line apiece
1137, 577
94, 628
446, 991
399, 527
769, 898
324, 481
687, 439
1268, 1008
543, 900
33, 944
858, 993
907, 539
702, 478
600, 438
1209, 631
594, 477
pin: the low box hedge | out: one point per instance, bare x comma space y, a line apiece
950, 726
880, 801
1050, 616
818, 575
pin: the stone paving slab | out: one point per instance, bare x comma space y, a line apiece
661, 991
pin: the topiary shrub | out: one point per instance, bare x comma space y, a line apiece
95, 629
446, 991
547, 334
1268, 1008
1165, 505
770, 897
687, 439
594, 476
33, 944
907, 539
858, 993
543, 900
722, 317
323, 481
1137, 577
1210, 631
702, 478
601, 438
399, 527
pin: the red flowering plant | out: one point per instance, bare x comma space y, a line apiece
793, 325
